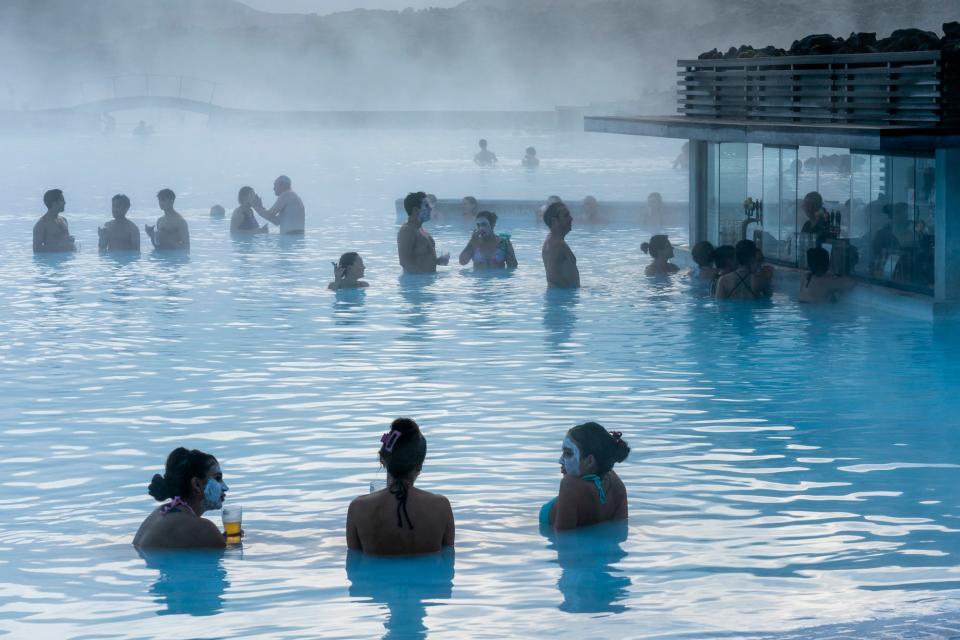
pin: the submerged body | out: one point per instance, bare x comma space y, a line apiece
578, 503
372, 523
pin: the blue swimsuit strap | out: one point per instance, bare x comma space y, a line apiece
599, 483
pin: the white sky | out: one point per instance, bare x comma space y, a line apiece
332, 6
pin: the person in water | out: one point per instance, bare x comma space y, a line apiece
347, 272
217, 212
243, 221
119, 234
486, 249
725, 259
590, 491
415, 247
558, 260
171, 231
591, 211
51, 234
192, 484
655, 217
752, 280
703, 255
816, 222
530, 160
484, 157
470, 208
660, 249
400, 519
287, 212
542, 209
819, 285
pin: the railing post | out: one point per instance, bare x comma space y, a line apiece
180, 89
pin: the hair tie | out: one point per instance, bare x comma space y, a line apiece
389, 440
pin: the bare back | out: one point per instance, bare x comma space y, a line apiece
177, 530
578, 503
372, 523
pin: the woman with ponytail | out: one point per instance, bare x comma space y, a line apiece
400, 519
590, 491
191, 484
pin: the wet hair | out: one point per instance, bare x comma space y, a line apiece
483, 142
818, 261
414, 200
51, 197
243, 193
703, 253
657, 245
122, 199
552, 199
470, 200
812, 202
531, 151
746, 251
408, 454
654, 197
183, 465
217, 211
284, 181
725, 257
166, 194
552, 212
490, 216
606, 447
347, 259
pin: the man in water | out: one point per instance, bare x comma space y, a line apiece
171, 231
558, 260
287, 212
415, 247
51, 234
119, 234
485, 158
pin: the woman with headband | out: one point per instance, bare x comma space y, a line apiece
590, 491
400, 519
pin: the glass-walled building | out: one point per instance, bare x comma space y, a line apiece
876, 216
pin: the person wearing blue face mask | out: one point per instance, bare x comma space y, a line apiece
415, 247
192, 483
590, 491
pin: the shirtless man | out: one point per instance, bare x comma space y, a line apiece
51, 234
558, 260
485, 157
287, 212
119, 234
415, 247
171, 230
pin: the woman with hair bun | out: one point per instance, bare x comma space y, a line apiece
660, 249
590, 491
192, 483
400, 519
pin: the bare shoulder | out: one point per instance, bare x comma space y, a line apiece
435, 498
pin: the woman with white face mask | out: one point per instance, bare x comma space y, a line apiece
590, 491
192, 484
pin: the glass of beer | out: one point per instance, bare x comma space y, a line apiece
232, 517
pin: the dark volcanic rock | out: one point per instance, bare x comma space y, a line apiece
910, 40
817, 44
951, 30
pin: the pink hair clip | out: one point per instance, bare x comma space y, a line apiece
389, 440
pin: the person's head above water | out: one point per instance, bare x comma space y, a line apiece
483, 143
281, 184
812, 204
119, 205
402, 452
53, 199
352, 265
658, 247
725, 257
486, 221
194, 477
703, 253
818, 261
747, 252
470, 206
244, 195
589, 448
217, 211
557, 217
166, 198
531, 152
415, 203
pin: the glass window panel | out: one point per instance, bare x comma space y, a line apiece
859, 217
732, 191
713, 194
770, 236
834, 169
924, 230
789, 166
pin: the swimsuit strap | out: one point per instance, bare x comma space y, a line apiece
743, 281
176, 503
401, 493
599, 484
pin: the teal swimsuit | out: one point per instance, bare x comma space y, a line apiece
545, 509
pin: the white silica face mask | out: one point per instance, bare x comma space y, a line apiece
570, 457
213, 495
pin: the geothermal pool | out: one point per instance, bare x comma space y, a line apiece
792, 466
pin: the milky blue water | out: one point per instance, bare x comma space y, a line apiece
791, 466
